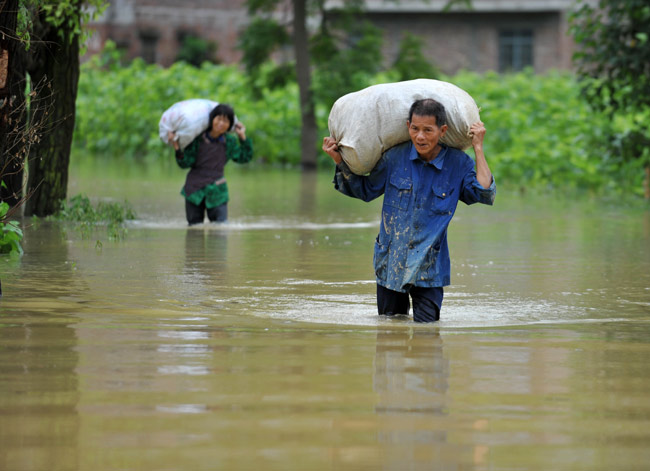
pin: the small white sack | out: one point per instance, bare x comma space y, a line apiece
367, 123
187, 119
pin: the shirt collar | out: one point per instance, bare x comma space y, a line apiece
212, 139
437, 162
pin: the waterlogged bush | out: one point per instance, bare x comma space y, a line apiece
10, 233
86, 217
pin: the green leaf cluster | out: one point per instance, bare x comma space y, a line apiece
613, 63
10, 233
613, 56
260, 39
540, 132
345, 51
411, 62
68, 17
341, 70
195, 50
86, 217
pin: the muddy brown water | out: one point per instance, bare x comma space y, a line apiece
255, 344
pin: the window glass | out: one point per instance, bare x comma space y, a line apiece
148, 42
515, 50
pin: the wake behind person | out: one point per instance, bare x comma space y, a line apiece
206, 190
422, 181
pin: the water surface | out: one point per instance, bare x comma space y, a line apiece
255, 344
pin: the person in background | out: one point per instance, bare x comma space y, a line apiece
206, 190
422, 181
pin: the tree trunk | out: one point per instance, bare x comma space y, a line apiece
308, 130
646, 182
11, 106
56, 62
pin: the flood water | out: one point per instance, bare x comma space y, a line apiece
256, 344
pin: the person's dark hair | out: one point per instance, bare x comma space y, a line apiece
429, 107
222, 110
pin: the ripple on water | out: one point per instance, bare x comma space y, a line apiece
316, 302
256, 224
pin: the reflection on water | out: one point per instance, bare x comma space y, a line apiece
260, 224
256, 344
39, 385
206, 264
411, 380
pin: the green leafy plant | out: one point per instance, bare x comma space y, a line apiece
195, 50
87, 217
342, 70
411, 62
257, 42
540, 132
10, 233
613, 64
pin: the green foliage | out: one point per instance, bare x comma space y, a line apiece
25, 23
195, 50
67, 16
540, 132
344, 54
86, 217
110, 57
258, 41
411, 62
340, 70
10, 233
613, 61
613, 56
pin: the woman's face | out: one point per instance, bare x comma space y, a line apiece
220, 125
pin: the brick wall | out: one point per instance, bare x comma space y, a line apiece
151, 28
470, 40
454, 41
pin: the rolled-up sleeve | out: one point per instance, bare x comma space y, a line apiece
473, 191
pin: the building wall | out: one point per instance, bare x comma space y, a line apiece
454, 41
470, 41
151, 28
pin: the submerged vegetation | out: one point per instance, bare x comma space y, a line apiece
10, 233
86, 217
541, 132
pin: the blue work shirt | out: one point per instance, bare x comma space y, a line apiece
420, 198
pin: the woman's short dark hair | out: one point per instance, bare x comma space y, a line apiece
222, 110
429, 107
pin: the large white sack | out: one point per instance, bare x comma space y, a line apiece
367, 123
187, 119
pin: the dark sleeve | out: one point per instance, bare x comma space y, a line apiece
239, 151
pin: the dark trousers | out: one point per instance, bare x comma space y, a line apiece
426, 302
195, 214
